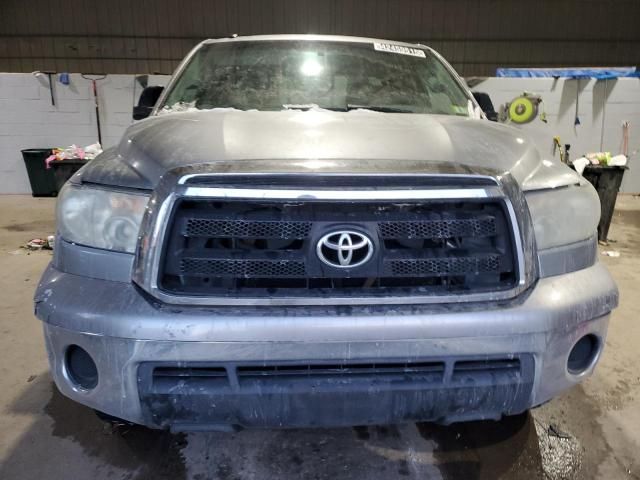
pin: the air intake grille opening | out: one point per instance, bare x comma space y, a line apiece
334, 393
347, 369
167, 378
471, 370
176, 378
268, 248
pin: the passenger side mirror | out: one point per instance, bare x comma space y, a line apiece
148, 99
484, 100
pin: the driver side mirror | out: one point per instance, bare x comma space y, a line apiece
148, 99
484, 100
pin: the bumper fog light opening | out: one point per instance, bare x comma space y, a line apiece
80, 368
583, 354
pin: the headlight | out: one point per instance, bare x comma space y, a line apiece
100, 218
564, 216
565, 222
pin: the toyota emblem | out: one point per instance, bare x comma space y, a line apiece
344, 249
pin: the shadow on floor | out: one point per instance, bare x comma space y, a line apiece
67, 440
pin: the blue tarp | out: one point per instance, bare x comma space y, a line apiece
600, 73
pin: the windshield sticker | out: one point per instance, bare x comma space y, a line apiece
389, 47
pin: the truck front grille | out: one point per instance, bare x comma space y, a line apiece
203, 227
174, 378
487, 263
338, 393
268, 248
242, 268
444, 228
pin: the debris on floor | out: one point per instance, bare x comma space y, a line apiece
560, 451
40, 243
555, 431
611, 253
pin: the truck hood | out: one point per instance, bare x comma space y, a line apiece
320, 141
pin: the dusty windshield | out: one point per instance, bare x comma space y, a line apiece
341, 76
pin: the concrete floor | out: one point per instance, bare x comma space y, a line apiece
45, 436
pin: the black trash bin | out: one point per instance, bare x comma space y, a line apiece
63, 170
606, 180
42, 180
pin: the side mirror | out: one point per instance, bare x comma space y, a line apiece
148, 99
484, 100
493, 116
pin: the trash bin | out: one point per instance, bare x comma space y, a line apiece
606, 181
41, 179
63, 170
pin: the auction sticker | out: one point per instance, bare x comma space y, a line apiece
391, 48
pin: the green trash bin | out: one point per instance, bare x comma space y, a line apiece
63, 170
42, 180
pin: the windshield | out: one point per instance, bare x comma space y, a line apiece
342, 76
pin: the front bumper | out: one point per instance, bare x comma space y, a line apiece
127, 334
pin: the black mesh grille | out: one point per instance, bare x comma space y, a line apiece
443, 266
267, 248
243, 268
203, 227
473, 227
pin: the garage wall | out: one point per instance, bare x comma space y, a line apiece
28, 120
616, 100
476, 36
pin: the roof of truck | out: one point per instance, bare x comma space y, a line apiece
312, 37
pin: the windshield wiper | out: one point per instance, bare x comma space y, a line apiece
348, 108
378, 108
300, 106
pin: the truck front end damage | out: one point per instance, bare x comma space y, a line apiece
450, 319
285, 262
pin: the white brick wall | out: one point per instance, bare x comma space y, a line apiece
559, 96
28, 120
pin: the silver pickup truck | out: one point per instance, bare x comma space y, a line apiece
321, 231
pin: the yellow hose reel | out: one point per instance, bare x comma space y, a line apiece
524, 108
